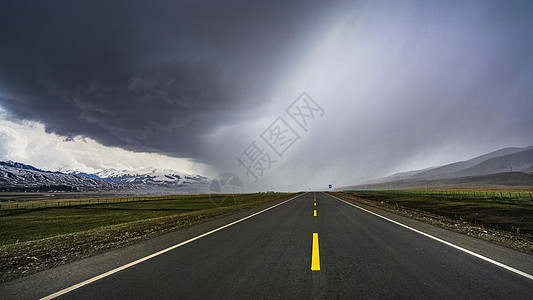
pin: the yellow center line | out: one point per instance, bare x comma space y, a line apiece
315, 257
314, 204
314, 213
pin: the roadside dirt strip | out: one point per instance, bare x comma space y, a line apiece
520, 242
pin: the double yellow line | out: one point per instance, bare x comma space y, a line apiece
315, 257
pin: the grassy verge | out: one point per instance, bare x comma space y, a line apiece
506, 214
31, 203
512, 196
501, 220
36, 239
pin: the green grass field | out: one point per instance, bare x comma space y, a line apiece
486, 208
36, 235
49, 219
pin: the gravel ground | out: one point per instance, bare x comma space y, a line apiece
513, 240
21, 259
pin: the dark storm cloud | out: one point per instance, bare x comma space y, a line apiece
145, 76
439, 83
405, 84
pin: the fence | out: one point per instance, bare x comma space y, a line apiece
459, 193
40, 204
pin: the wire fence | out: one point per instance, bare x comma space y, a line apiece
41, 204
458, 193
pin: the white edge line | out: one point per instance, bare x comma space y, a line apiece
499, 264
93, 279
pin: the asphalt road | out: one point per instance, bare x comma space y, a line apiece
269, 256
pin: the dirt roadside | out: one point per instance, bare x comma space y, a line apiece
517, 241
25, 258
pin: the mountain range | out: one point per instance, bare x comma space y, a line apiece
505, 167
19, 177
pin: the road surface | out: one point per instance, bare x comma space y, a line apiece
311, 249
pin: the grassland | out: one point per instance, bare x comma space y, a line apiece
488, 208
487, 214
50, 234
6, 197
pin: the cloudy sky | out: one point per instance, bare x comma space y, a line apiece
196, 85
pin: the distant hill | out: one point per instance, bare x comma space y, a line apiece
450, 170
14, 164
520, 161
19, 177
504, 167
151, 176
398, 176
515, 179
24, 178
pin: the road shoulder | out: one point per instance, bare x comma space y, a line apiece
52, 280
513, 258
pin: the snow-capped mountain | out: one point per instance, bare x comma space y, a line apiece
150, 176
21, 177
18, 165
18, 176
